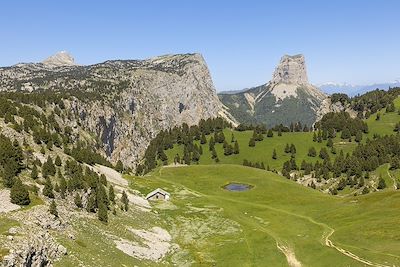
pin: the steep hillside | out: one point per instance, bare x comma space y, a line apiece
124, 103
287, 98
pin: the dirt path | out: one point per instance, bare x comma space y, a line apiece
394, 180
290, 257
327, 228
347, 253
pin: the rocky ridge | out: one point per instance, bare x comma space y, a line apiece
129, 101
62, 58
287, 98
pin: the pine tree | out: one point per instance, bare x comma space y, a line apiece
329, 143
381, 183
78, 200
274, 156
42, 150
119, 167
91, 204
319, 136
48, 168
125, 201
195, 156
228, 150
252, 142
358, 137
232, 138
102, 213
19, 195
287, 148
49, 145
292, 149
365, 190
63, 185
203, 139
53, 208
103, 179
34, 172
345, 133
57, 188
312, 152
214, 154
57, 161
314, 137
48, 189
236, 148
101, 195
270, 133
111, 194
211, 144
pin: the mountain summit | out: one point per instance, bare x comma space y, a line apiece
291, 69
60, 59
287, 98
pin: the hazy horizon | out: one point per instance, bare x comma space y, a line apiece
351, 42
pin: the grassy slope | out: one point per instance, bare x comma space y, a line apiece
278, 210
92, 247
387, 122
263, 150
288, 207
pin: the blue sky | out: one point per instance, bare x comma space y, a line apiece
343, 41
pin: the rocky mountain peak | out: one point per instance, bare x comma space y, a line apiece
291, 70
60, 59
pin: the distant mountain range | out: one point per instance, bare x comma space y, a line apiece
351, 89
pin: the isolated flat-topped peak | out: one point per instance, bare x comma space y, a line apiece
59, 59
291, 70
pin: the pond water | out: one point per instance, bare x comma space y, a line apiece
237, 187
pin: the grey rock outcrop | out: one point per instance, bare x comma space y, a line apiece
130, 100
327, 106
287, 98
39, 251
292, 70
59, 59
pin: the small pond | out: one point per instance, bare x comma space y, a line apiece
237, 187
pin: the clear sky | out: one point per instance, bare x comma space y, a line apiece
354, 41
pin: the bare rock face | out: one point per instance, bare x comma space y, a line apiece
328, 106
129, 101
287, 98
291, 70
290, 76
60, 59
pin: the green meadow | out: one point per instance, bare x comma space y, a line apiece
278, 222
263, 150
216, 226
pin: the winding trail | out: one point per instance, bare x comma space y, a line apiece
290, 257
292, 261
347, 253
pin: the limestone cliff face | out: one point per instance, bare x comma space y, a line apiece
291, 70
287, 98
60, 59
134, 99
